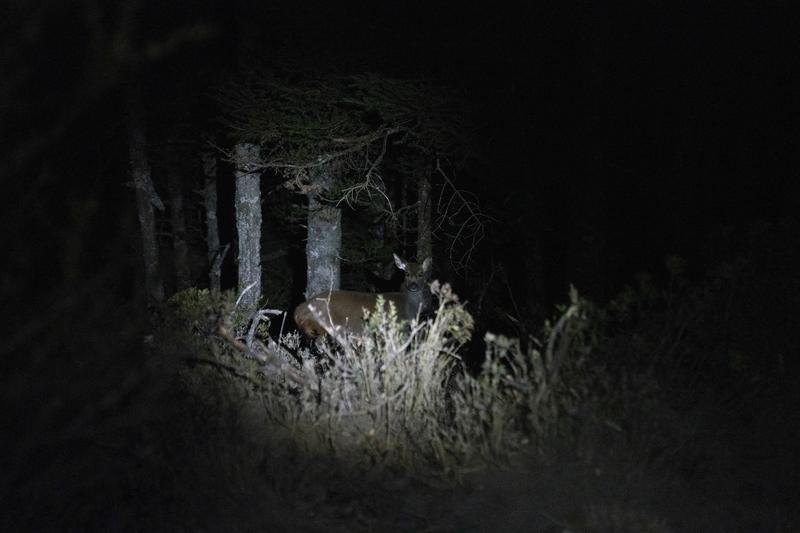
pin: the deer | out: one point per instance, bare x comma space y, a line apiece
336, 312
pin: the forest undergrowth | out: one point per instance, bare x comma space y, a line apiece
666, 410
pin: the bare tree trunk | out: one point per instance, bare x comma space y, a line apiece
324, 238
180, 248
212, 225
248, 225
146, 196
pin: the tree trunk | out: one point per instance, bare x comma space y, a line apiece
324, 238
248, 225
180, 248
146, 196
212, 225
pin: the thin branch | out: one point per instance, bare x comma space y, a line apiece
471, 228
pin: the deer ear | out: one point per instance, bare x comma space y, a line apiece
399, 262
426, 265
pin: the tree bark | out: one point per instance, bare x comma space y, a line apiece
180, 247
324, 238
212, 225
146, 197
248, 225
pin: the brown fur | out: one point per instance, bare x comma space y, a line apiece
345, 309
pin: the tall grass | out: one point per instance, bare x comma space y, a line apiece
398, 397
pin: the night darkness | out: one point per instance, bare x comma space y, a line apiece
644, 154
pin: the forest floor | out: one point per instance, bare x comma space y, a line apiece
735, 475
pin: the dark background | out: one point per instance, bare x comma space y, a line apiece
655, 125
663, 121
611, 137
